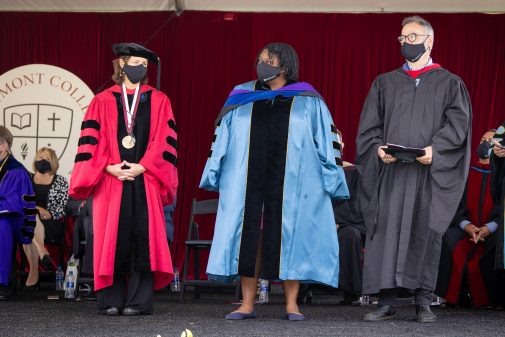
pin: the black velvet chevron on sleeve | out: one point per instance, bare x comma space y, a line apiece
171, 158
83, 157
90, 124
87, 140
30, 211
172, 141
172, 125
29, 198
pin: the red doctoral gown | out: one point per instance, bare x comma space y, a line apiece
98, 147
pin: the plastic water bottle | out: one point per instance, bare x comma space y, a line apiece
176, 285
263, 297
60, 279
69, 291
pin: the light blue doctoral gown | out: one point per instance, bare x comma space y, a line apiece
309, 250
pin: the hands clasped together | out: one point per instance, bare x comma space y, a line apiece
477, 234
125, 170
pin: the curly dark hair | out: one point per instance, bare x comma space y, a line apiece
288, 59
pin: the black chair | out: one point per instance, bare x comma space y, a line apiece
194, 244
13, 279
83, 250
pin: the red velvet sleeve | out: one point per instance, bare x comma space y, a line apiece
160, 158
92, 153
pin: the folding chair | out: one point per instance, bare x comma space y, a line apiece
194, 244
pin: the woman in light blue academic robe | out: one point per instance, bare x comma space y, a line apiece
275, 162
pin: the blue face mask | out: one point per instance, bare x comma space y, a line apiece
484, 150
135, 73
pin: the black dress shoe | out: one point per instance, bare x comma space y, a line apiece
112, 311
425, 315
131, 312
381, 313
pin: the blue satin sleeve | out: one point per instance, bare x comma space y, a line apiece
327, 143
212, 170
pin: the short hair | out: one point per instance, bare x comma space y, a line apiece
6, 136
288, 59
421, 22
53, 159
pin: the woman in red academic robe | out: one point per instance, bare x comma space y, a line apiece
127, 160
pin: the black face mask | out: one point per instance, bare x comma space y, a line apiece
135, 73
267, 73
43, 166
484, 150
413, 52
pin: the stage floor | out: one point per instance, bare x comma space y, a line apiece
32, 314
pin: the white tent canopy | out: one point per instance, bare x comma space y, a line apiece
351, 6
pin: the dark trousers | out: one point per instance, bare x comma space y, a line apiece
134, 290
421, 296
351, 259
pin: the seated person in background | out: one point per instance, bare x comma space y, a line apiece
351, 235
498, 192
51, 194
17, 208
466, 273
169, 220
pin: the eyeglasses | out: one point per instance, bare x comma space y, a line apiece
412, 37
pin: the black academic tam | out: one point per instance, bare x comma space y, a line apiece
134, 49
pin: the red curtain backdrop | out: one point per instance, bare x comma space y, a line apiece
204, 54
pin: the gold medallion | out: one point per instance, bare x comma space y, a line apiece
128, 142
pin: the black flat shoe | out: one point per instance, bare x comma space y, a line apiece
425, 315
34, 287
47, 262
131, 312
381, 313
111, 311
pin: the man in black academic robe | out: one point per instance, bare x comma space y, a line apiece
408, 204
351, 235
466, 273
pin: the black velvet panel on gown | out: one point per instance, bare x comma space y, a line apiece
133, 227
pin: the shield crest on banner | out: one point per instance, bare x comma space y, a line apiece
38, 125
43, 106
